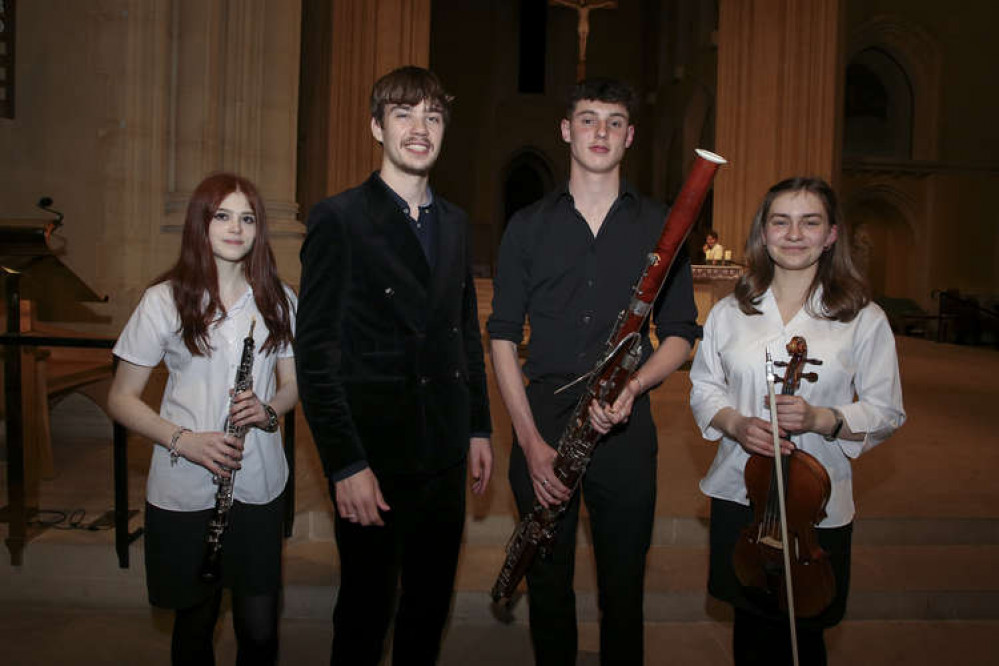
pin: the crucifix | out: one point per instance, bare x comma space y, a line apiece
583, 8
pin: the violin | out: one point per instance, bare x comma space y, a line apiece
759, 554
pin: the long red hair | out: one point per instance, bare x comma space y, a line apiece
194, 275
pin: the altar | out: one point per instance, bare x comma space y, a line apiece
713, 282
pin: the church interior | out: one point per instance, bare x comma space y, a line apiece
112, 111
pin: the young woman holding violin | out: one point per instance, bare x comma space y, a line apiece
800, 282
196, 318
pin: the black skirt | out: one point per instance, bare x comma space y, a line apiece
175, 549
727, 522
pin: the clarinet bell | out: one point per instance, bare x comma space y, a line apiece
211, 568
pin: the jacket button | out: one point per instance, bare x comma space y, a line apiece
457, 374
390, 292
454, 330
424, 381
587, 319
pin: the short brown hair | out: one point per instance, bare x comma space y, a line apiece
409, 85
597, 89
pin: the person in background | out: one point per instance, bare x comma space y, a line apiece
714, 252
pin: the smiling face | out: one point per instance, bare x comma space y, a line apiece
411, 137
797, 231
598, 133
232, 229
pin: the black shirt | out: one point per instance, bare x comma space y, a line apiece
572, 285
424, 226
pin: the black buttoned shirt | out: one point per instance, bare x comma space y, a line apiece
425, 224
571, 285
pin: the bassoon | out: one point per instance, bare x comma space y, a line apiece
536, 531
211, 564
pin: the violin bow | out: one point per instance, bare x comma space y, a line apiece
785, 544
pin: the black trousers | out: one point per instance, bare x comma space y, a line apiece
761, 636
418, 546
619, 490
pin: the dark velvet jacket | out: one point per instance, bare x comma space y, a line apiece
388, 351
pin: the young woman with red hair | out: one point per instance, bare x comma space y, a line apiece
194, 318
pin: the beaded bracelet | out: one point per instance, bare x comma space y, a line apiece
174, 451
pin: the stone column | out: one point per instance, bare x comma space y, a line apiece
779, 102
233, 105
370, 38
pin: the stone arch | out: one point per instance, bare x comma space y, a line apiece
527, 176
878, 107
884, 239
918, 55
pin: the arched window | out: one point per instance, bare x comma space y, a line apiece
882, 239
878, 109
528, 178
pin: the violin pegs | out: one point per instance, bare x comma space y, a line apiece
809, 376
813, 360
780, 364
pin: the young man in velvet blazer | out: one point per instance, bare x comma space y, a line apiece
392, 379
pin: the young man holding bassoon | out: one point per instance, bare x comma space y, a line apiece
568, 263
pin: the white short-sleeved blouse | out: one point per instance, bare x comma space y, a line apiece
197, 397
858, 376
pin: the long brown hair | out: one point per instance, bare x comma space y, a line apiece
194, 274
844, 291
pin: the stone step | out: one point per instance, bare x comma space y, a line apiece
43, 636
902, 569
693, 531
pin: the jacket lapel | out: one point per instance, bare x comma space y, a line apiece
450, 252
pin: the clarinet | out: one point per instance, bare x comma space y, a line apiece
536, 532
211, 565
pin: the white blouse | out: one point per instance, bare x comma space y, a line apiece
858, 376
197, 397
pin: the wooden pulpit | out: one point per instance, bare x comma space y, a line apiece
41, 363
